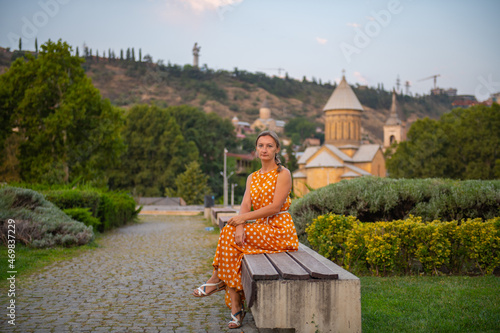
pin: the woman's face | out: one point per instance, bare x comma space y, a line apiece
266, 148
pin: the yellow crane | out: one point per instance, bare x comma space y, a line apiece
430, 77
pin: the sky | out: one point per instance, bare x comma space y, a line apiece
374, 42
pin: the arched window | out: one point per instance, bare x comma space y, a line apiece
392, 139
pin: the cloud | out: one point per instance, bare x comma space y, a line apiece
204, 5
322, 41
354, 25
361, 78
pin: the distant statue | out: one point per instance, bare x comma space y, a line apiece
196, 54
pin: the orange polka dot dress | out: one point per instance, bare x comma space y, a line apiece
267, 235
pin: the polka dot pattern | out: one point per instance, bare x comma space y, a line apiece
268, 235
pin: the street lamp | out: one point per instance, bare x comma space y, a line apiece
225, 177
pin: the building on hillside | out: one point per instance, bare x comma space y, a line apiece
342, 156
265, 122
394, 128
241, 127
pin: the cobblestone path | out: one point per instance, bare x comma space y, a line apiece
140, 279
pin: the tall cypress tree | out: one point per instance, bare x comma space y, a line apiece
20, 44
36, 45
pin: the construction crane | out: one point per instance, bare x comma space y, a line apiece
407, 85
430, 77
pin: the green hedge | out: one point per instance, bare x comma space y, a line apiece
83, 215
385, 199
408, 246
38, 222
112, 209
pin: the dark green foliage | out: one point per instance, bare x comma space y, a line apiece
157, 152
373, 199
83, 215
211, 134
116, 209
72, 132
70, 198
39, 223
112, 209
463, 144
192, 185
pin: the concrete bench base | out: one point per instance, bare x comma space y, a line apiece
309, 305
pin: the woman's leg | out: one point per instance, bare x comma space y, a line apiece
213, 279
236, 305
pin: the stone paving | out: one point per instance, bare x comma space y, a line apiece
139, 279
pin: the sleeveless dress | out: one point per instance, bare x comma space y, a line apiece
272, 234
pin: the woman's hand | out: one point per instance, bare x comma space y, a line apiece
239, 235
236, 220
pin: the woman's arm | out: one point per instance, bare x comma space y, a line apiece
283, 186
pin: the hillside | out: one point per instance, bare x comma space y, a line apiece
239, 93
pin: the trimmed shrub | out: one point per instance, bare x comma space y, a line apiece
75, 198
404, 246
385, 199
39, 223
112, 209
83, 215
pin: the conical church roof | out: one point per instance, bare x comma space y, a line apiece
393, 117
343, 98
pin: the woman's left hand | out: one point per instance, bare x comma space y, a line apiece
236, 220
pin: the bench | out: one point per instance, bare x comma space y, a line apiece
216, 212
301, 291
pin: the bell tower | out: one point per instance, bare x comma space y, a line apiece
343, 116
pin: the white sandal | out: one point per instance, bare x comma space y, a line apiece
202, 293
235, 320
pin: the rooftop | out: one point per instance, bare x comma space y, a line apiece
343, 98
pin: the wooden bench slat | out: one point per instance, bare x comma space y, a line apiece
223, 221
287, 267
260, 268
313, 266
249, 285
216, 211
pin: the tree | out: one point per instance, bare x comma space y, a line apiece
192, 185
20, 44
300, 128
156, 152
463, 144
140, 55
36, 45
211, 134
66, 130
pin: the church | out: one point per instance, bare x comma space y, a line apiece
342, 156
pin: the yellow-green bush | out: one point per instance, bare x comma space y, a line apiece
406, 246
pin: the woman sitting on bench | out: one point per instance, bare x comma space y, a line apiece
268, 193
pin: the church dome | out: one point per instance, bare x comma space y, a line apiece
343, 98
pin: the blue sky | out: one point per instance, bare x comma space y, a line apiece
374, 41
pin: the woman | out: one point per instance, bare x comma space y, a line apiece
268, 193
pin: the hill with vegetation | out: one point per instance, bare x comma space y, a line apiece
127, 81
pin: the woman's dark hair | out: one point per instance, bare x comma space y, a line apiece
278, 145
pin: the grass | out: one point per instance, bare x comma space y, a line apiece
30, 260
431, 304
